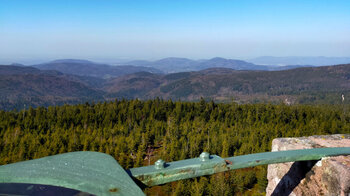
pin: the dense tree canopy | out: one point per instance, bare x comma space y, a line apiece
138, 132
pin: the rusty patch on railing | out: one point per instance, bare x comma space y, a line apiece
228, 162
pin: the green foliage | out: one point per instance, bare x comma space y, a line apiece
137, 133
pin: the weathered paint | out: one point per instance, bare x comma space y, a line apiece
191, 168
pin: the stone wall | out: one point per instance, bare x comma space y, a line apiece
329, 176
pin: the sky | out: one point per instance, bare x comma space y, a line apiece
112, 30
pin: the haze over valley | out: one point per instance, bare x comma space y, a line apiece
75, 81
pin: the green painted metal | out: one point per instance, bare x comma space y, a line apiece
99, 174
179, 170
90, 172
190, 168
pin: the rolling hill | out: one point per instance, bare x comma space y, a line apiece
229, 63
88, 68
302, 85
174, 65
168, 65
27, 85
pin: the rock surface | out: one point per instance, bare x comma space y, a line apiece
329, 176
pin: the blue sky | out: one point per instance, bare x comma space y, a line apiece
110, 30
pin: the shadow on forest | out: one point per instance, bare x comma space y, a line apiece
293, 177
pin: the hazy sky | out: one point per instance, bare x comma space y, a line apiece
130, 29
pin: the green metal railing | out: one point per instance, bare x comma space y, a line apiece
207, 164
99, 174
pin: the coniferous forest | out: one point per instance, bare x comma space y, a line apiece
137, 133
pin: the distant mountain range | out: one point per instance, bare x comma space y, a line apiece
173, 64
28, 86
88, 68
166, 65
302, 85
299, 60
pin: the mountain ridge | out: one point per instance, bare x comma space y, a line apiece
178, 64
224, 84
89, 68
31, 86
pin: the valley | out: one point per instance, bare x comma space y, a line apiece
77, 81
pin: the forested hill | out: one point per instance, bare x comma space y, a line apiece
22, 87
29, 86
88, 68
138, 133
302, 85
173, 64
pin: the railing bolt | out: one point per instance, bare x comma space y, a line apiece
204, 156
159, 164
